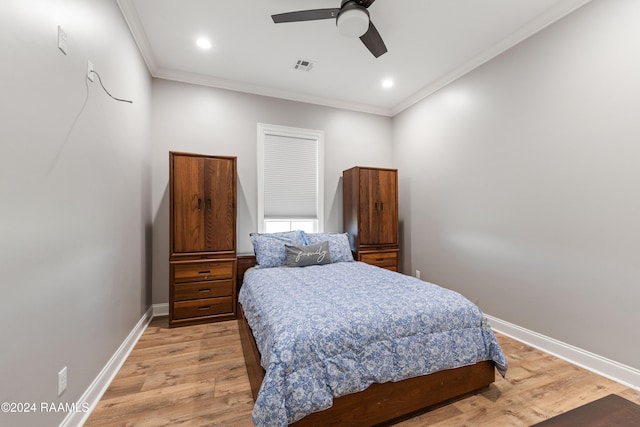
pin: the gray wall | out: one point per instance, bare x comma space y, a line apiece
206, 120
520, 182
75, 205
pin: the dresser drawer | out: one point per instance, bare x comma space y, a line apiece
202, 307
388, 260
199, 290
203, 271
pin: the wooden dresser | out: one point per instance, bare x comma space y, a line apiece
202, 263
370, 203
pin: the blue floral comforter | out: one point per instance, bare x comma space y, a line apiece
326, 331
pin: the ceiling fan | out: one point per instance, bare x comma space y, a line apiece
352, 20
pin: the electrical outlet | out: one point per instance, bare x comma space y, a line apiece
62, 40
417, 274
90, 75
62, 380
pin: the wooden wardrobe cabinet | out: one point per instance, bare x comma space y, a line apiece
370, 203
202, 263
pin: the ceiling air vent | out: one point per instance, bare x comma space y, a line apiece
303, 65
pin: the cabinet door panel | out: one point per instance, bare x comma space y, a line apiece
378, 207
188, 204
385, 188
367, 212
220, 212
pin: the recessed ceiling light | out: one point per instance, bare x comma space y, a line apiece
203, 43
387, 83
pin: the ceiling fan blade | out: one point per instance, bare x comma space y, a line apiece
366, 3
305, 15
373, 41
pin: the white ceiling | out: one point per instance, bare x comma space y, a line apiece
430, 43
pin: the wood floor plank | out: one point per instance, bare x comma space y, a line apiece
195, 376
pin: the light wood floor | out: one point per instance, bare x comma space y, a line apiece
195, 376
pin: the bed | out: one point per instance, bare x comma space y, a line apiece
346, 343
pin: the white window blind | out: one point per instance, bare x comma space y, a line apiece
290, 177
290, 174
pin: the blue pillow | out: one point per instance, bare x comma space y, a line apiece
269, 247
338, 245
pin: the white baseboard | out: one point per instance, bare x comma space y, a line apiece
608, 368
161, 309
97, 388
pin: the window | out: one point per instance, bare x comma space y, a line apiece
290, 179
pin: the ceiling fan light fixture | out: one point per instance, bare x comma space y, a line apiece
353, 22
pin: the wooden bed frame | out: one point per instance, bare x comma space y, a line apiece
379, 403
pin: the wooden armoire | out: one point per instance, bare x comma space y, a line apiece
202, 263
370, 203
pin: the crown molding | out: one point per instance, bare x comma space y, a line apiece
542, 21
203, 80
130, 14
554, 14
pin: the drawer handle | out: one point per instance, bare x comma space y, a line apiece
204, 307
204, 290
204, 272
379, 259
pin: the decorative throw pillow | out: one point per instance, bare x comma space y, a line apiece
338, 245
303, 256
269, 247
